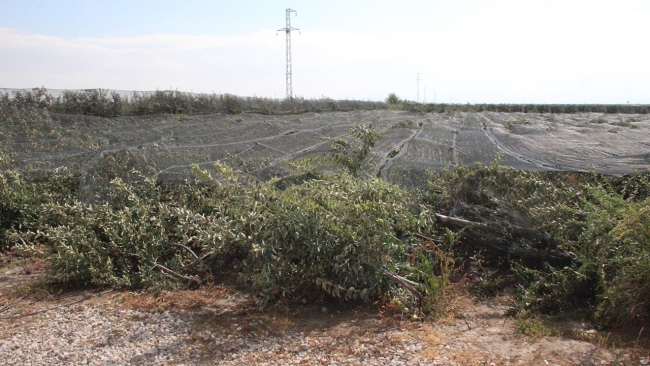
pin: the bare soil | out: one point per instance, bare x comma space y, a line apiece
468, 331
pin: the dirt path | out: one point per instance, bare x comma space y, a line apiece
218, 325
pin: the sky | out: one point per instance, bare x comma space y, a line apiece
463, 51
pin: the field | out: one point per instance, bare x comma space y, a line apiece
315, 205
408, 144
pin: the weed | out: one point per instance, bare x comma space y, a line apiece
536, 327
622, 123
599, 120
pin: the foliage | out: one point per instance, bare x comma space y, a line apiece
612, 283
97, 102
22, 197
337, 234
350, 154
536, 326
496, 193
529, 108
392, 99
34, 106
617, 234
123, 242
604, 221
395, 103
24, 113
37, 105
328, 233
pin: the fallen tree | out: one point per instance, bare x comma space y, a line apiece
513, 250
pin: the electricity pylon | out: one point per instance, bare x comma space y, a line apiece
288, 30
418, 80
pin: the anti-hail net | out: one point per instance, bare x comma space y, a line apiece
164, 147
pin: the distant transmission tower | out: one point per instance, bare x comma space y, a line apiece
288, 30
418, 80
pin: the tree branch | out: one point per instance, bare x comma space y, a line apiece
406, 283
84, 297
177, 275
187, 248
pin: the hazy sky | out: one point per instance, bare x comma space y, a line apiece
495, 51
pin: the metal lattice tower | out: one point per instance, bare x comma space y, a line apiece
288, 30
418, 80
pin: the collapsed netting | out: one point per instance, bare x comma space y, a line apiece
258, 145
164, 147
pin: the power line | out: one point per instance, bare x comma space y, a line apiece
288, 30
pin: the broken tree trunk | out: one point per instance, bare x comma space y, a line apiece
454, 221
516, 230
514, 250
533, 255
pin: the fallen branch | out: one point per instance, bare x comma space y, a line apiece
515, 229
187, 248
406, 283
466, 322
454, 221
428, 239
200, 260
28, 304
6, 307
56, 307
195, 279
514, 250
535, 255
197, 260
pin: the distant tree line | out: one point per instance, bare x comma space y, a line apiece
396, 103
28, 105
105, 103
530, 108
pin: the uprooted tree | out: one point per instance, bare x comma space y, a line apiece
331, 232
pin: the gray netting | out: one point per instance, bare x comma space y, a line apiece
165, 146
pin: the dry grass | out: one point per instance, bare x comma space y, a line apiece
208, 297
19, 276
433, 339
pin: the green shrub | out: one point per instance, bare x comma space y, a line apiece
91, 102
604, 221
339, 234
347, 237
22, 198
612, 239
393, 99
350, 154
231, 104
618, 237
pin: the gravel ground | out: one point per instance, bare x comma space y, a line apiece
102, 335
219, 325
109, 332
